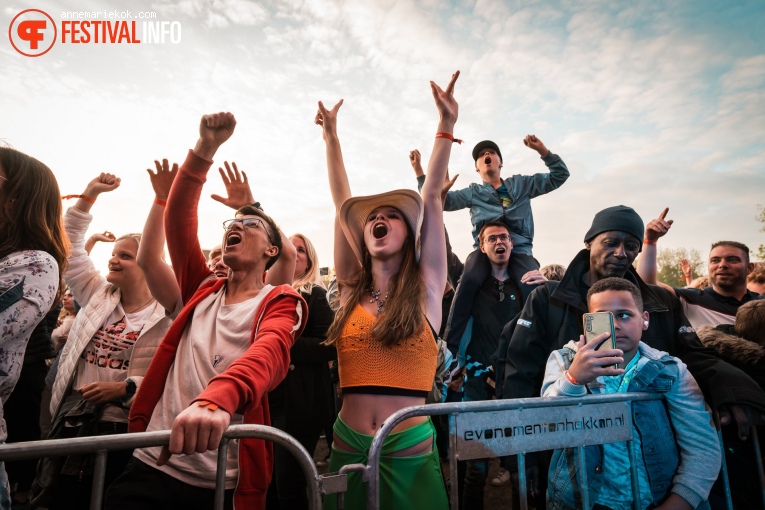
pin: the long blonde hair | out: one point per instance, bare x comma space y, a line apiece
311, 276
403, 314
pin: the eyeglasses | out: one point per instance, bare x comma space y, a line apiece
248, 223
494, 238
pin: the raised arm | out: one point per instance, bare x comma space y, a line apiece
416, 161
687, 269
81, 275
433, 239
181, 221
646, 262
159, 275
347, 266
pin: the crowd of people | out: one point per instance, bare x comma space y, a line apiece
250, 335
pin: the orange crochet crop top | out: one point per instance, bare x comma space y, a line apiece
406, 367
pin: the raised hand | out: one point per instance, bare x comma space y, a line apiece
237, 187
658, 227
448, 183
447, 106
106, 237
214, 130
102, 184
414, 160
327, 119
590, 363
163, 179
532, 142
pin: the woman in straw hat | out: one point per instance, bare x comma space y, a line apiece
389, 299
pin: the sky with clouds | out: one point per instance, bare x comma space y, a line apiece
650, 104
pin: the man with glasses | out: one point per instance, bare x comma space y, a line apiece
229, 346
499, 298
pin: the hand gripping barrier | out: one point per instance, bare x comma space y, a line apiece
318, 485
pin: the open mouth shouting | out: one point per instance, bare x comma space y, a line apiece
233, 238
487, 160
379, 230
500, 250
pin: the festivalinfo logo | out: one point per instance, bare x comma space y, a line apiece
33, 32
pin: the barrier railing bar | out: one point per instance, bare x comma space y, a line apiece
584, 487
220, 475
101, 444
758, 459
634, 475
393, 420
99, 476
523, 497
344, 470
454, 473
724, 464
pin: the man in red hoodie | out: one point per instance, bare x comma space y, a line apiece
228, 347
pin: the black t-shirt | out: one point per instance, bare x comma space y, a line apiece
496, 303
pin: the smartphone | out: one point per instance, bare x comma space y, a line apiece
596, 324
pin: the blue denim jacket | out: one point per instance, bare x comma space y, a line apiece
485, 204
680, 449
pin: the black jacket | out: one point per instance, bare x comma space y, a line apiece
306, 394
553, 315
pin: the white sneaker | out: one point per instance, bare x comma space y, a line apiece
502, 478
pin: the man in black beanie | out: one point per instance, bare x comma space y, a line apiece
552, 316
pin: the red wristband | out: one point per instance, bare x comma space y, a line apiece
84, 197
646, 241
571, 379
448, 136
209, 405
160, 202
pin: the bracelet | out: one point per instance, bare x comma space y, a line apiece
571, 379
160, 202
448, 136
84, 197
646, 241
209, 405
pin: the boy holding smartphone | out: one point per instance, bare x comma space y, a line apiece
676, 447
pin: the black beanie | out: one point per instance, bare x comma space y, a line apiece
483, 145
618, 217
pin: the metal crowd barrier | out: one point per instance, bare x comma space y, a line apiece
318, 485
496, 428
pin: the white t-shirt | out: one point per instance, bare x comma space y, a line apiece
217, 334
107, 356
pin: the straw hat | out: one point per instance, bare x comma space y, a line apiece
355, 211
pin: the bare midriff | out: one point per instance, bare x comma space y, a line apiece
365, 414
